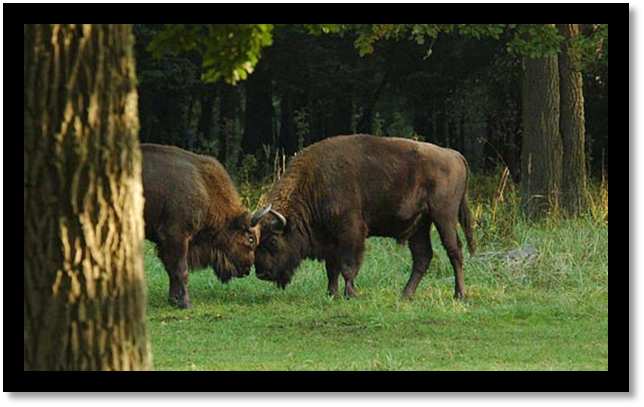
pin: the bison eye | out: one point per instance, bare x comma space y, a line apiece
251, 239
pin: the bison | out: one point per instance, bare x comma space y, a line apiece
337, 192
195, 216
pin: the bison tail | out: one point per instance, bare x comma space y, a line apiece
465, 217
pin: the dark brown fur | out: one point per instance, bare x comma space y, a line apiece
195, 216
340, 191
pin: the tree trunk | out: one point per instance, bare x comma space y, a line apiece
288, 133
339, 120
445, 129
572, 125
434, 136
541, 147
259, 110
84, 289
229, 106
366, 121
207, 102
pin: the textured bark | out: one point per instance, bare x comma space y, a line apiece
541, 147
84, 291
574, 193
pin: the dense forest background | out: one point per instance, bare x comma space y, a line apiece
457, 91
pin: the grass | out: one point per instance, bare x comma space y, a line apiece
549, 312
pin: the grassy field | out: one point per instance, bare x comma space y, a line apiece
547, 311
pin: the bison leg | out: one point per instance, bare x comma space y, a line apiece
349, 270
420, 246
453, 246
174, 256
332, 273
346, 254
350, 263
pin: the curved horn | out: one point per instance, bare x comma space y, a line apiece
259, 214
279, 216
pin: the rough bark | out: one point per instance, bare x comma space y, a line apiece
84, 291
574, 191
541, 146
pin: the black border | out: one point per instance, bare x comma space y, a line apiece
15, 379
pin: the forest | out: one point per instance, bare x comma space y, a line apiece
525, 104
452, 87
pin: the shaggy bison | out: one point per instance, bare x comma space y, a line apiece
340, 191
194, 215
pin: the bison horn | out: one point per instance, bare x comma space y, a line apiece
280, 217
259, 214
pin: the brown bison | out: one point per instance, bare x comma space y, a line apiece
340, 191
194, 215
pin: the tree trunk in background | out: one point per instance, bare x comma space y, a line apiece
434, 136
445, 129
541, 149
229, 105
259, 110
207, 102
471, 133
288, 131
84, 289
574, 190
366, 121
461, 133
318, 131
339, 121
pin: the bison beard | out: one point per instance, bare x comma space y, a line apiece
339, 191
202, 253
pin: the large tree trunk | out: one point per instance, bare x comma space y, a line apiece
84, 290
541, 149
572, 124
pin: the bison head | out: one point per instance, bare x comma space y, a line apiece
231, 253
242, 239
279, 250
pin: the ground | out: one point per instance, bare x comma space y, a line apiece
543, 312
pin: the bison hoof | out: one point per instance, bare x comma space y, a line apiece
351, 294
184, 304
459, 296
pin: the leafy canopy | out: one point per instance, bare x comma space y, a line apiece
229, 51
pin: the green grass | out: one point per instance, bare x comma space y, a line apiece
550, 313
